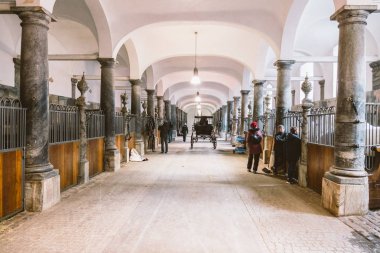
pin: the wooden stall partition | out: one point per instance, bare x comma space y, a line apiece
95, 156
11, 183
319, 160
65, 158
374, 184
120, 139
132, 141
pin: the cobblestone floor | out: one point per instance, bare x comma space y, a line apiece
199, 200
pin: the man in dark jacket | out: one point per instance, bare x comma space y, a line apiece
164, 131
184, 132
253, 141
293, 153
279, 150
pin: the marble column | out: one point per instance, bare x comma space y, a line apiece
224, 121
42, 181
235, 119
267, 150
84, 169
74, 82
345, 186
322, 89
244, 111
150, 109
174, 121
136, 110
258, 99
107, 104
17, 63
307, 104
229, 116
293, 97
283, 91
375, 75
168, 110
160, 106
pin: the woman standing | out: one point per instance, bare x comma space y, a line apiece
253, 139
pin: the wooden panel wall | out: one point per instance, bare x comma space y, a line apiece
65, 157
319, 160
374, 185
120, 139
11, 183
95, 156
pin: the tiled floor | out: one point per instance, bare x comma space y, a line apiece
199, 200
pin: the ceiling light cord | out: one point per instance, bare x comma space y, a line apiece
196, 47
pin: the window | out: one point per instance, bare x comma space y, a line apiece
335, 71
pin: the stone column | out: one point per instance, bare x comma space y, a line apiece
124, 111
136, 111
17, 63
293, 97
174, 121
229, 118
150, 109
74, 82
345, 186
235, 119
307, 104
244, 111
283, 93
375, 75
322, 89
224, 121
107, 104
42, 181
168, 110
267, 150
258, 99
84, 171
160, 106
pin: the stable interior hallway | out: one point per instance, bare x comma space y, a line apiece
199, 200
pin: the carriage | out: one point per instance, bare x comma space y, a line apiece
203, 130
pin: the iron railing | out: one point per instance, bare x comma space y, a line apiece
12, 124
95, 124
292, 119
322, 125
119, 123
63, 123
372, 116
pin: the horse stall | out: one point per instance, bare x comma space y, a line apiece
95, 141
12, 143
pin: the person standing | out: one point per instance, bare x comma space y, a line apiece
279, 150
253, 140
164, 131
184, 131
293, 153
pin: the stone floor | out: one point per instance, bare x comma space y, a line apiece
199, 200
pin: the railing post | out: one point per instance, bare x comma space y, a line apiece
124, 111
84, 171
307, 104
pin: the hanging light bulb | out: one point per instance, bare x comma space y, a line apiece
195, 79
197, 98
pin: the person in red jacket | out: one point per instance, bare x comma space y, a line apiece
253, 140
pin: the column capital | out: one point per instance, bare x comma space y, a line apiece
74, 81
375, 65
136, 82
17, 61
150, 92
258, 82
160, 97
236, 98
244, 92
107, 62
284, 64
322, 82
34, 15
293, 92
353, 14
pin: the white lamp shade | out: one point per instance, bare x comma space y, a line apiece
195, 79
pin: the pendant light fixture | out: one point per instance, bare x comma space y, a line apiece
195, 79
198, 98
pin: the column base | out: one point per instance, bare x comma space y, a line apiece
266, 156
174, 134
126, 155
302, 174
233, 139
344, 196
140, 147
84, 172
42, 191
112, 159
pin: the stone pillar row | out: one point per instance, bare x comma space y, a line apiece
136, 110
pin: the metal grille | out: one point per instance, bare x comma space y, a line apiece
64, 123
322, 126
119, 123
271, 121
372, 134
12, 124
292, 119
95, 124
